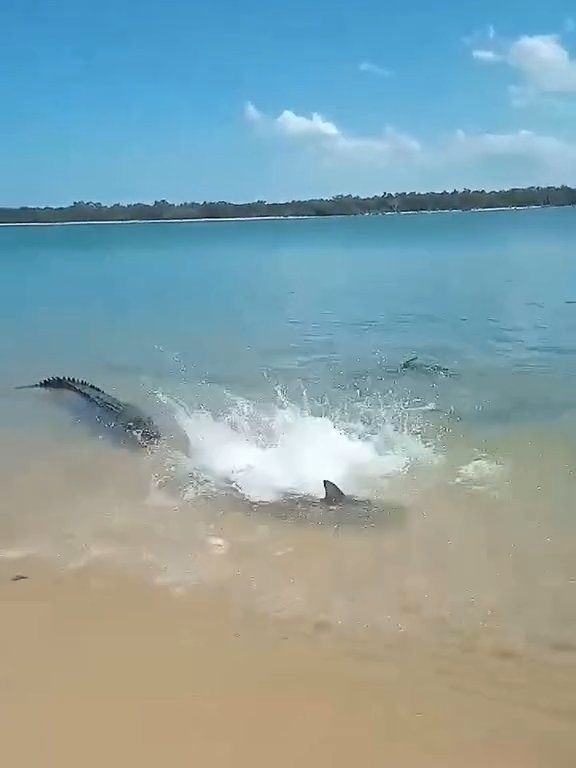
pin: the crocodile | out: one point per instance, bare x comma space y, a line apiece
118, 413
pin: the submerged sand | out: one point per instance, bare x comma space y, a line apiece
100, 669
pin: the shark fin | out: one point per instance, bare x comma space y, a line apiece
333, 493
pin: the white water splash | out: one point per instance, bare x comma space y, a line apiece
480, 473
267, 453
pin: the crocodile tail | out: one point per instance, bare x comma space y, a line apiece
60, 382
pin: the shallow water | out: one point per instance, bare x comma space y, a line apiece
269, 352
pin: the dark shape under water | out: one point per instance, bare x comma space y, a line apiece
335, 509
412, 364
118, 414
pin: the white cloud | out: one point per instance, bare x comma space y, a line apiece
532, 157
483, 54
296, 125
542, 60
374, 69
384, 149
549, 151
322, 134
252, 114
518, 158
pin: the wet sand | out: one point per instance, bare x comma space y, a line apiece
98, 669
444, 642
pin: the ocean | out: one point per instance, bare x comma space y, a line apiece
270, 353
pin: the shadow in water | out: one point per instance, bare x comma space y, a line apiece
359, 513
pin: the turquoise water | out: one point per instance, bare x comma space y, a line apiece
269, 350
331, 305
470, 286
235, 298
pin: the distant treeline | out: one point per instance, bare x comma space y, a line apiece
341, 205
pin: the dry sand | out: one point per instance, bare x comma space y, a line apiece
99, 669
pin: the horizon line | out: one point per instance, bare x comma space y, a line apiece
340, 195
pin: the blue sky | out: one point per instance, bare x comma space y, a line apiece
127, 101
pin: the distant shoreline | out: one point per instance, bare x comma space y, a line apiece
387, 203
216, 219
160, 221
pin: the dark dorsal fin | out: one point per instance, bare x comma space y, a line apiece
408, 363
333, 493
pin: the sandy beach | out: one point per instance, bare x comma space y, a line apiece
96, 668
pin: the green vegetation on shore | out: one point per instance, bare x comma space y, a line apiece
341, 205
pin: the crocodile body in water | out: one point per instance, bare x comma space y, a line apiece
112, 413
335, 508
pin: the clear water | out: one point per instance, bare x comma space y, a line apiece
268, 351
